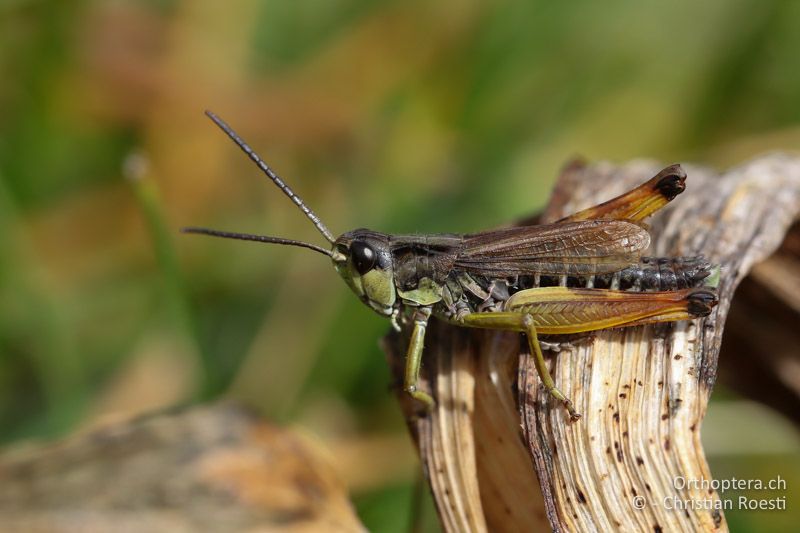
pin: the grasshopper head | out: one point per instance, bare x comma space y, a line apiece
361, 257
364, 260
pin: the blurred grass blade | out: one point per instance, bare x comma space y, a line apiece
33, 327
136, 171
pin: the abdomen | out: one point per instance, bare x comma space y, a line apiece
650, 274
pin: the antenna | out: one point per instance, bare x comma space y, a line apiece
275, 179
258, 238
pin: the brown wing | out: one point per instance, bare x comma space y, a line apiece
574, 248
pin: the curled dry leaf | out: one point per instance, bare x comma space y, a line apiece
215, 468
501, 456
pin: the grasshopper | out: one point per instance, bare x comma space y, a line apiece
580, 274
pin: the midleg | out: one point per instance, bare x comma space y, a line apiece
523, 323
541, 368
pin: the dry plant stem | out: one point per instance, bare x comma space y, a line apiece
643, 391
470, 443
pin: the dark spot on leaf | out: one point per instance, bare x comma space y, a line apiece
639, 460
675, 405
581, 497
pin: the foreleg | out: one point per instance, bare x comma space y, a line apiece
414, 357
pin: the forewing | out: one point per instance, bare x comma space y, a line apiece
582, 248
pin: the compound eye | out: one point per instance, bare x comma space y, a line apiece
363, 257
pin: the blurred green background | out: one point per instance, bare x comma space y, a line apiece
400, 116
